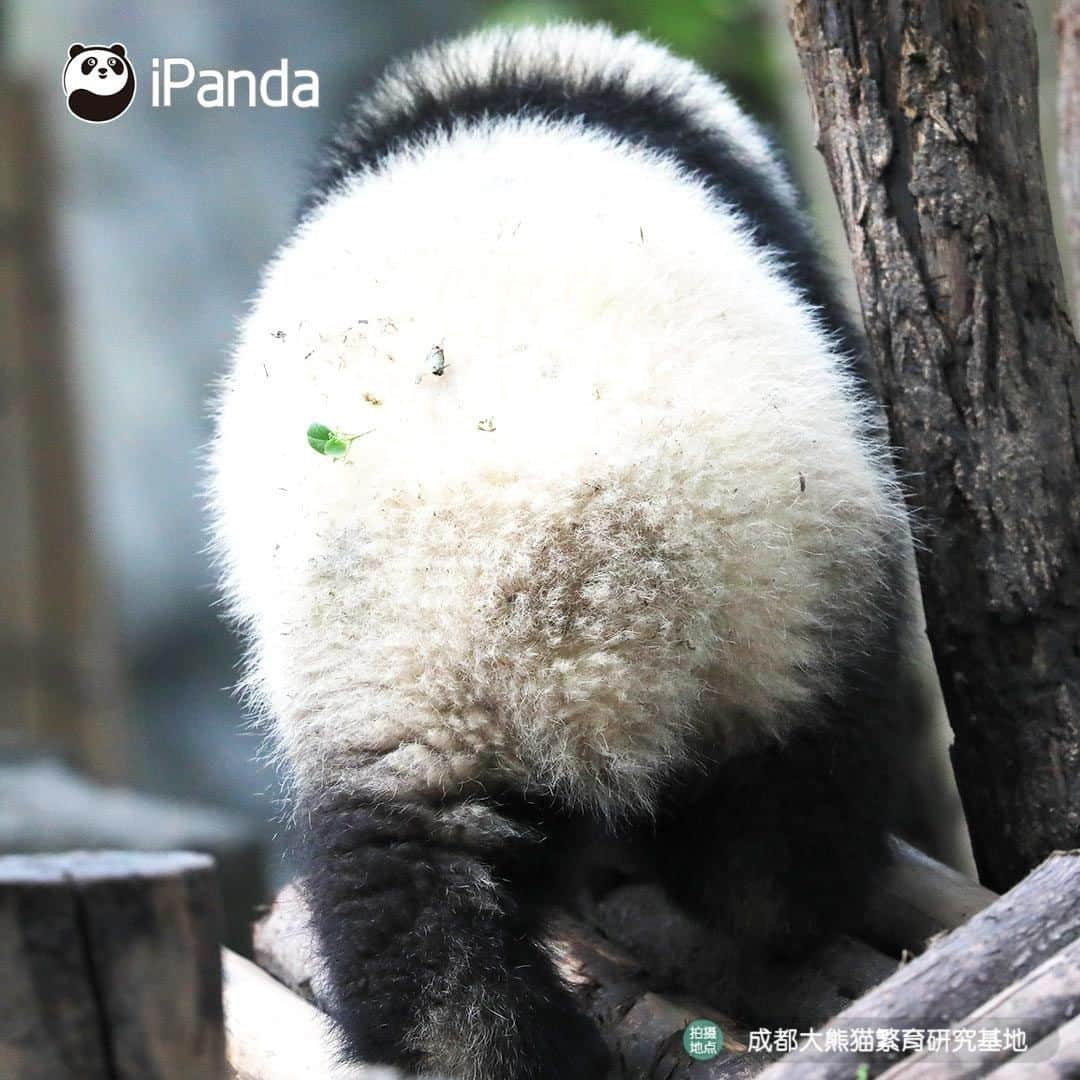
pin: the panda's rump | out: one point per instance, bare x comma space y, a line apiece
572, 630
612, 490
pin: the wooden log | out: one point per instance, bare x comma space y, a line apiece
915, 899
643, 1023
111, 967
1057, 1057
272, 1034
677, 951
643, 1027
643, 969
927, 116
918, 898
1001, 944
852, 966
1037, 1004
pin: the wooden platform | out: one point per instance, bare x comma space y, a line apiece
111, 970
937, 953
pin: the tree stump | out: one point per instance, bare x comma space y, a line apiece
111, 967
50, 808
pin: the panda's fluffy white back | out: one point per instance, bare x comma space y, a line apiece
674, 521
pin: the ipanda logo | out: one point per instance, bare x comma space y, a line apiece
276, 87
99, 82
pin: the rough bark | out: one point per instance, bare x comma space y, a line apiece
1068, 25
926, 116
1057, 1057
999, 947
110, 967
1041, 1002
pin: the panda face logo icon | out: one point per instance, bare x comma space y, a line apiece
99, 82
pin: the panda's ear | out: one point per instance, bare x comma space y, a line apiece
118, 49
75, 50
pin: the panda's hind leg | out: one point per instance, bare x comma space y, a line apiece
777, 849
428, 927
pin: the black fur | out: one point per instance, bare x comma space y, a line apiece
777, 849
411, 916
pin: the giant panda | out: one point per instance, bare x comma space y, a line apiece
609, 542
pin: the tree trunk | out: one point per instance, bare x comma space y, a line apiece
926, 114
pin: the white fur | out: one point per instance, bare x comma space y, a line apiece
675, 516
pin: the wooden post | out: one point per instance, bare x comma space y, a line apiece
926, 113
111, 967
60, 686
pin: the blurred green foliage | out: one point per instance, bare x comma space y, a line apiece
730, 38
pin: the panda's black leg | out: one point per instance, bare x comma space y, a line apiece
777, 848
431, 949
